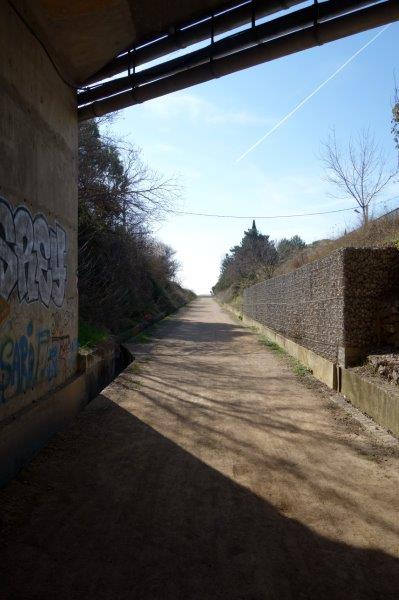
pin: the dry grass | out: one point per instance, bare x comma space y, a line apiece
377, 233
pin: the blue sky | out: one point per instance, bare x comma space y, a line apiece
198, 134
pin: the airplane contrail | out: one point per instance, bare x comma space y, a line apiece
319, 87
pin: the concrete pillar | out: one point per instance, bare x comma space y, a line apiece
38, 222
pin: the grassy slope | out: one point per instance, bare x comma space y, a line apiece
378, 233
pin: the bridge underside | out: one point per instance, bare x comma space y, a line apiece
237, 37
109, 47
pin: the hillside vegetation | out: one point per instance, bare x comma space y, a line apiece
125, 275
258, 258
380, 232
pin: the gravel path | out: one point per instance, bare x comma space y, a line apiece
205, 471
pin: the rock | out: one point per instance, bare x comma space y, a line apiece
374, 359
383, 371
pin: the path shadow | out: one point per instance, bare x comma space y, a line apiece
198, 331
112, 509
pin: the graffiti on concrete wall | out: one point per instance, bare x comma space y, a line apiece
32, 256
32, 358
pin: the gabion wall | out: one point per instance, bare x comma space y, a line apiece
346, 299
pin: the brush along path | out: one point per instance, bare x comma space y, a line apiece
205, 471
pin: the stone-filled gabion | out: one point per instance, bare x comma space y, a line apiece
346, 299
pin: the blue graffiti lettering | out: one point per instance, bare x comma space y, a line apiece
32, 359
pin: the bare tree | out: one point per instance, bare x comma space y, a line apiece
148, 195
359, 171
124, 273
116, 184
395, 117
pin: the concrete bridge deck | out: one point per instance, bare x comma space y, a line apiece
207, 472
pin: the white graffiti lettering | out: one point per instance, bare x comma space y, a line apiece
32, 256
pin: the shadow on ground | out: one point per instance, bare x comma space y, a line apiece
116, 509
195, 331
113, 509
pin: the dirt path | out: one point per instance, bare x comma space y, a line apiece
209, 472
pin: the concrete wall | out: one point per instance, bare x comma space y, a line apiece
375, 399
38, 218
26, 431
340, 307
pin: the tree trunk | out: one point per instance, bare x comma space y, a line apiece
365, 210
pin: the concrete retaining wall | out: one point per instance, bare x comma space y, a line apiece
377, 401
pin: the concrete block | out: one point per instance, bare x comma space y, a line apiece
380, 403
